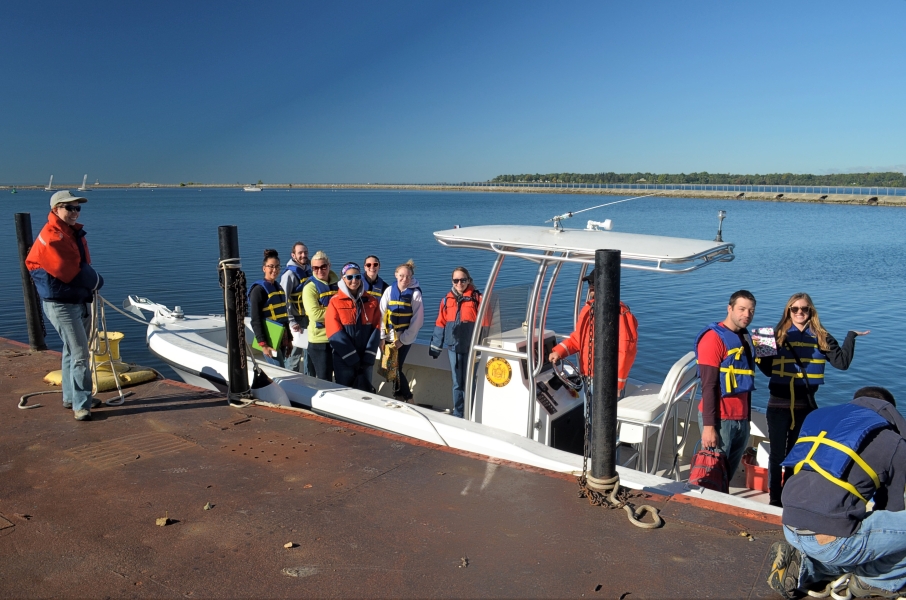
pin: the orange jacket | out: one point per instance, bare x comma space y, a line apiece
60, 265
579, 341
353, 327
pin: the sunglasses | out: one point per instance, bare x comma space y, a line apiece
795, 309
351, 277
369, 265
72, 208
277, 266
463, 280
321, 268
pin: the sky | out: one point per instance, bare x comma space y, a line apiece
433, 91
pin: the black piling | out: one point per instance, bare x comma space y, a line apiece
230, 267
32, 305
604, 398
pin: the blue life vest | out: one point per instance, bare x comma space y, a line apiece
295, 294
399, 308
325, 293
737, 367
375, 289
830, 440
275, 307
784, 369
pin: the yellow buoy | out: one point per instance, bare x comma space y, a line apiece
108, 367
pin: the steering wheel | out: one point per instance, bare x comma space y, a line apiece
567, 372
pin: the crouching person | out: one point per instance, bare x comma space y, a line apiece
353, 325
845, 457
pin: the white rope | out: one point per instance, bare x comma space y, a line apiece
395, 404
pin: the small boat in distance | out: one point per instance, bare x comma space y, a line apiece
13, 191
97, 182
83, 188
49, 187
252, 188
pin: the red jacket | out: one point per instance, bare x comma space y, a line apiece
353, 327
455, 322
60, 265
578, 341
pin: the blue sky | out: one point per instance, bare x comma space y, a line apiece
446, 91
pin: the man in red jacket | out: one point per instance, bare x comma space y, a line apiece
582, 340
60, 266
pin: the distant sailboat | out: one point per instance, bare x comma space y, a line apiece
97, 182
49, 187
14, 191
84, 181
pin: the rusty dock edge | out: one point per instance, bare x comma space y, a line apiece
365, 513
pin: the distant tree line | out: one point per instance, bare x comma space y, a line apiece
837, 179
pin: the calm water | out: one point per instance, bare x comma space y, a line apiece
162, 244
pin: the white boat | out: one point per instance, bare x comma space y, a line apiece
49, 187
252, 188
84, 186
514, 411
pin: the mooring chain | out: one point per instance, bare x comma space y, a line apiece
238, 289
606, 492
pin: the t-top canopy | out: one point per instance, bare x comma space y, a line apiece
638, 251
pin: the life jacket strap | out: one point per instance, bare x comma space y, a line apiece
730, 373
820, 439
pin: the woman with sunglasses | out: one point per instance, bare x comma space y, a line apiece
60, 266
374, 285
453, 329
796, 371
352, 323
316, 297
267, 302
402, 315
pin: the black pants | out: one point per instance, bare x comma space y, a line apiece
782, 439
402, 384
321, 360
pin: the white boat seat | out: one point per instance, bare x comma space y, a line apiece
644, 404
648, 408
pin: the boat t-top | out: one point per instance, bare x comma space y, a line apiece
514, 410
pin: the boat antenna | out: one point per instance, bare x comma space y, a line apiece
556, 220
721, 215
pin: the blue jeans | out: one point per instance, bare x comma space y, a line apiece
458, 369
294, 360
73, 322
876, 552
277, 361
402, 384
733, 437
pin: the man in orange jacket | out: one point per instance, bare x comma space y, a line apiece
60, 266
582, 340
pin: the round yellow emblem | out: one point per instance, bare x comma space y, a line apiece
498, 372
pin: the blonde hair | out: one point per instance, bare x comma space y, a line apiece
409, 264
814, 323
320, 255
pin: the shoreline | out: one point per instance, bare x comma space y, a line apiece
857, 199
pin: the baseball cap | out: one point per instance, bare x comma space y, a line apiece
65, 196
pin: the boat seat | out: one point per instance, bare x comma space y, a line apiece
643, 404
649, 408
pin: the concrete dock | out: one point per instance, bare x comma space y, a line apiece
368, 514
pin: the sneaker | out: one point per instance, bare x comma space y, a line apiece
67, 405
860, 589
83, 415
784, 575
95, 402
